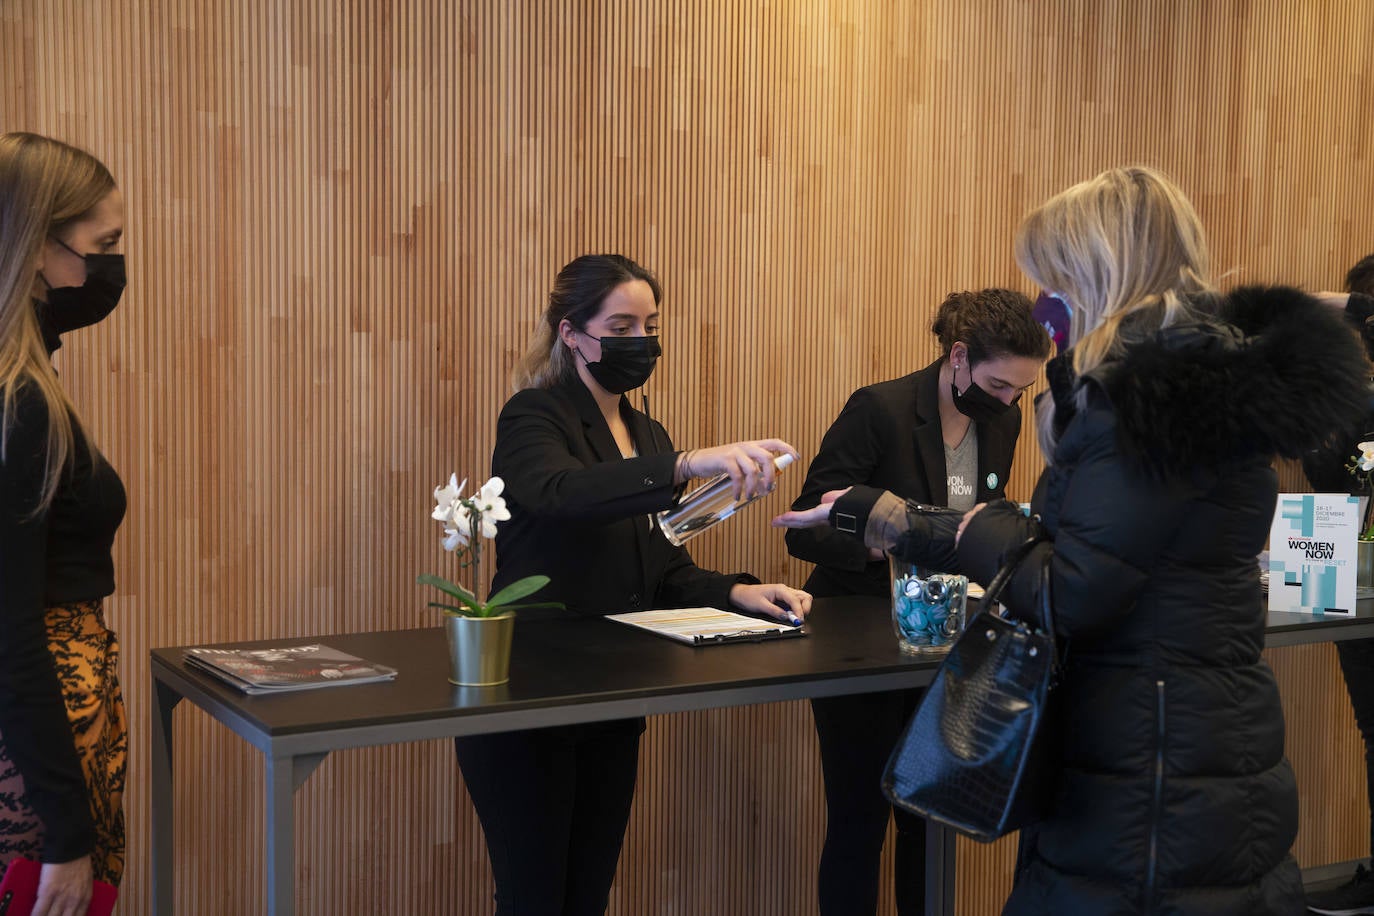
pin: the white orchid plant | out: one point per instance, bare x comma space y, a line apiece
1361, 467
468, 521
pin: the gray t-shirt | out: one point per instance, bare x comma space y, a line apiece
961, 470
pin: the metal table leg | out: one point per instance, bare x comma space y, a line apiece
940, 870
284, 776
165, 700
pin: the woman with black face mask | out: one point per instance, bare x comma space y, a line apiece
584, 473
1159, 430
943, 435
62, 725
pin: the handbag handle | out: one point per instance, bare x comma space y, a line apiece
1013, 559
993, 593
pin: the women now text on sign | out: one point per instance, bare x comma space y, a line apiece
1312, 553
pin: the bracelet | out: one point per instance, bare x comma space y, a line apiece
685, 464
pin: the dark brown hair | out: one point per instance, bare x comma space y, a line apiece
1360, 279
992, 323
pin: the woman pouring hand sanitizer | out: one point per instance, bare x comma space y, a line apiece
584, 472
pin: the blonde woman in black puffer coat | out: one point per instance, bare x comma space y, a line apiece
1159, 430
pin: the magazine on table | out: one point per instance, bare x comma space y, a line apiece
277, 669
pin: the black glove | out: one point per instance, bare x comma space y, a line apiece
927, 542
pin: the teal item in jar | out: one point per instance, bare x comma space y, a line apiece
927, 608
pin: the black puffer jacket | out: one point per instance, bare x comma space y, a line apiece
1175, 797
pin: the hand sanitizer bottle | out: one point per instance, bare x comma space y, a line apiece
712, 502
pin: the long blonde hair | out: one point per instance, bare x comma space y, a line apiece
45, 185
1119, 246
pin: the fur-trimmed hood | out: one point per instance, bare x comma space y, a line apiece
1263, 370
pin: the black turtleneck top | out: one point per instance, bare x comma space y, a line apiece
58, 556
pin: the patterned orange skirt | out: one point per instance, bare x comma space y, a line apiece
87, 658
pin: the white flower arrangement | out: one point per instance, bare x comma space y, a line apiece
468, 521
1364, 461
1361, 467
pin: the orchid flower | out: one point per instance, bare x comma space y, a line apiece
448, 499
457, 536
490, 506
466, 522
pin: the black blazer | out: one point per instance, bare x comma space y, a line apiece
889, 436
582, 514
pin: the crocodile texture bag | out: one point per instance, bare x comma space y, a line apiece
977, 755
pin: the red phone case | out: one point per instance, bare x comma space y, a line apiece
19, 891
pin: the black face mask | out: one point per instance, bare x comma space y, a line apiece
72, 307
625, 363
977, 404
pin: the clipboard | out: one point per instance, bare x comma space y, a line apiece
707, 626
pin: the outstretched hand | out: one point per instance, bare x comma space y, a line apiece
810, 518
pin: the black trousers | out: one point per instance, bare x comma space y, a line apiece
857, 734
1357, 664
553, 803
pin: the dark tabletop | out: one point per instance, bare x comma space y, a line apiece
1288, 629
591, 668
569, 663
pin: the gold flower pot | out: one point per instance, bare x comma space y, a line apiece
1364, 564
479, 649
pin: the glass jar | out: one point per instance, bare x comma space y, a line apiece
928, 608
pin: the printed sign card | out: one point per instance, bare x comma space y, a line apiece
1312, 553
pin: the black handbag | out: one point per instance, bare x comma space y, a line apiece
979, 753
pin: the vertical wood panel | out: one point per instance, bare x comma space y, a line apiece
344, 217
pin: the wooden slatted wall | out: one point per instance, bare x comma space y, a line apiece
343, 219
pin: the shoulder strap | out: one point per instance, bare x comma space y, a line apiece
993, 592
1047, 619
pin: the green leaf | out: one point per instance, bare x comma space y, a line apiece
466, 612
526, 607
517, 590
448, 588
469, 607
486, 611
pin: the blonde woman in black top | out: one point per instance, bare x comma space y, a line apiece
62, 730
1159, 431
